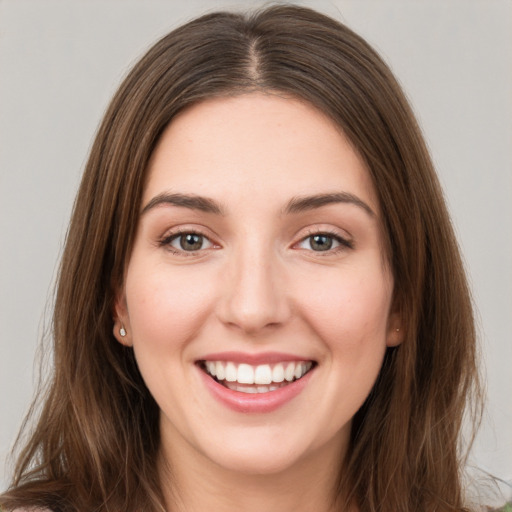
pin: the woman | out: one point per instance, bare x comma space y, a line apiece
261, 302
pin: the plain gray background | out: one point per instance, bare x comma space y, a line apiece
61, 60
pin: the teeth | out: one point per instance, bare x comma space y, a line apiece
252, 389
245, 374
220, 371
262, 375
278, 373
210, 368
289, 373
230, 372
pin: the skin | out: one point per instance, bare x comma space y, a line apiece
256, 285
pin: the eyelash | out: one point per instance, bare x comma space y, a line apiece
167, 241
343, 242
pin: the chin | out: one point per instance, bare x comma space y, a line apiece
252, 461
262, 451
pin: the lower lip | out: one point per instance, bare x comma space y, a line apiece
255, 402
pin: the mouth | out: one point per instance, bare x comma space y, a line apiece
255, 379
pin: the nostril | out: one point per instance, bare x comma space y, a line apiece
253, 298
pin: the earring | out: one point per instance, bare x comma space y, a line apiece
122, 331
398, 330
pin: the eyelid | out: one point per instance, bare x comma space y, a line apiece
174, 233
345, 242
178, 237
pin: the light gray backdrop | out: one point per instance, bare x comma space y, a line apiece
61, 60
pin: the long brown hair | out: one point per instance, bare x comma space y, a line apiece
96, 441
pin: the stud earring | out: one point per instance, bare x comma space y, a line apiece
398, 330
122, 331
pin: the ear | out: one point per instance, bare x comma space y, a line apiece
395, 333
122, 328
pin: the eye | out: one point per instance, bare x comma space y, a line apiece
322, 242
187, 242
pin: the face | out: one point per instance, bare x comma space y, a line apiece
257, 297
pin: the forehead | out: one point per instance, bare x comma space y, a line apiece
253, 143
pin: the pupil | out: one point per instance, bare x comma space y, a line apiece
321, 242
191, 242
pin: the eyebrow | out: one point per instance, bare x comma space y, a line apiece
203, 204
304, 203
295, 205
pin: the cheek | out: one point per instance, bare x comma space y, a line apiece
166, 305
350, 308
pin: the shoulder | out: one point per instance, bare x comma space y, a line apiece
31, 509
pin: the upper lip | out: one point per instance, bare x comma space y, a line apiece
254, 358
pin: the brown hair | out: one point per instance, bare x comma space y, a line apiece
97, 438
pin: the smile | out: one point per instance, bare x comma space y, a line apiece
256, 379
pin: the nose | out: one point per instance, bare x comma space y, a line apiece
254, 294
